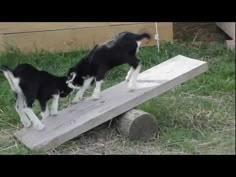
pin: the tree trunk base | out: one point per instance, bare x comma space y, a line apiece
137, 125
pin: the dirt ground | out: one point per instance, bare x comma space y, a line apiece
198, 32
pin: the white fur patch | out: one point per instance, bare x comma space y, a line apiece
54, 106
34, 119
70, 82
13, 82
73, 75
133, 79
72, 86
20, 105
97, 90
45, 114
139, 44
24, 119
80, 93
129, 74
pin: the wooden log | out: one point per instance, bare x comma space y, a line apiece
137, 125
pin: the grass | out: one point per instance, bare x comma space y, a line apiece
197, 117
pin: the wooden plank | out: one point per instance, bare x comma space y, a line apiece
22, 27
165, 31
228, 28
85, 115
81, 38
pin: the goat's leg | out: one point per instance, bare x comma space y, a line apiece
129, 74
31, 115
35, 120
9, 78
80, 93
13, 82
20, 100
54, 106
138, 46
132, 85
99, 80
133, 78
44, 107
97, 90
19, 108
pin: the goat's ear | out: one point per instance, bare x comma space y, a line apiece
72, 76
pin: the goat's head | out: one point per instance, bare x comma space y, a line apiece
65, 90
74, 80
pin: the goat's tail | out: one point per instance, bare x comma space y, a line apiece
8, 73
139, 37
5, 68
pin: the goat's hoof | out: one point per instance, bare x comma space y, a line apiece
74, 101
43, 116
26, 124
39, 126
95, 97
54, 114
131, 89
127, 79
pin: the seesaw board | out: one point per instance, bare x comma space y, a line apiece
114, 101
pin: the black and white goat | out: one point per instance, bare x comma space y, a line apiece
122, 49
29, 84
